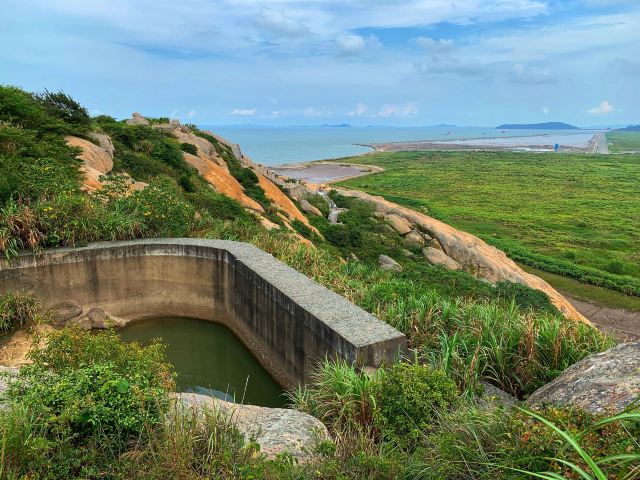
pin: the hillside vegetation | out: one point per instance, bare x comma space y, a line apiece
90, 407
519, 202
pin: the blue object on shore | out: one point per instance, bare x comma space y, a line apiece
556, 147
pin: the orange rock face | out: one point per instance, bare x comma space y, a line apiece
206, 150
97, 162
281, 201
222, 181
472, 254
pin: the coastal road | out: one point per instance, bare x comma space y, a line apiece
601, 143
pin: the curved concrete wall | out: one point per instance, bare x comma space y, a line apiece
287, 320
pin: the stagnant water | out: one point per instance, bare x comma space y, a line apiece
210, 359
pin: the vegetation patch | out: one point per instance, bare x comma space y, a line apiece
517, 201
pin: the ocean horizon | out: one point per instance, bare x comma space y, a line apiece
272, 145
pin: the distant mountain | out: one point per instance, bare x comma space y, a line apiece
340, 125
630, 128
538, 126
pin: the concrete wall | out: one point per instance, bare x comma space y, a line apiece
285, 319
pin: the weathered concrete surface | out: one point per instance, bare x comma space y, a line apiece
285, 319
604, 382
277, 430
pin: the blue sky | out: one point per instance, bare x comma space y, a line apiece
290, 62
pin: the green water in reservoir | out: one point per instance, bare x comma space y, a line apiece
209, 359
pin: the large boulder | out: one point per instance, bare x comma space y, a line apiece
96, 318
307, 207
399, 224
96, 161
414, 239
438, 257
387, 263
471, 253
277, 430
65, 311
602, 383
137, 119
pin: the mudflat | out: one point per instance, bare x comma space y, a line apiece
324, 172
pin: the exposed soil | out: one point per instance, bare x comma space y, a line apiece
622, 324
323, 172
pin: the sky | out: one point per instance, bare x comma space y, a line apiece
312, 62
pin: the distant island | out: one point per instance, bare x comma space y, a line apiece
538, 126
630, 128
340, 125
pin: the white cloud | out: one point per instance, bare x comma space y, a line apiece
243, 112
191, 113
603, 108
451, 64
546, 110
279, 23
432, 45
350, 44
404, 110
313, 112
532, 74
359, 110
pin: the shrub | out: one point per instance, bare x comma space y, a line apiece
409, 399
81, 402
17, 310
60, 105
615, 267
526, 297
189, 148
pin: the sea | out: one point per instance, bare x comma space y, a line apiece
286, 145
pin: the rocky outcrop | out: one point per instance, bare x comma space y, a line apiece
276, 430
307, 207
222, 181
438, 257
471, 254
414, 239
387, 263
606, 382
399, 224
96, 318
206, 149
137, 119
96, 161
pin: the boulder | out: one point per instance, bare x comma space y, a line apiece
399, 224
276, 430
493, 397
414, 239
104, 141
438, 257
606, 382
388, 263
137, 119
65, 311
96, 161
307, 207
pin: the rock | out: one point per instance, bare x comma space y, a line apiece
96, 161
388, 263
378, 214
434, 243
222, 181
438, 257
493, 397
104, 141
206, 150
307, 207
413, 239
398, 223
477, 257
276, 430
606, 382
97, 318
64, 311
137, 119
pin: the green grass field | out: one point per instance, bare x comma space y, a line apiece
576, 215
623, 141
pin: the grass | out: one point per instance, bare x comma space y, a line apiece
623, 141
590, 293
578, 215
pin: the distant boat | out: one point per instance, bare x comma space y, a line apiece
449, 133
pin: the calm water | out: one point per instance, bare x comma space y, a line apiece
279, 145
209, 359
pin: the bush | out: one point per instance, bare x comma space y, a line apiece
62, 106
17, 310
526, 297
409, 400
189, 148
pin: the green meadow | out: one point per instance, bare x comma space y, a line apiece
575, 215
623, 141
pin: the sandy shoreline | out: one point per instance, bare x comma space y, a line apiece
323, 171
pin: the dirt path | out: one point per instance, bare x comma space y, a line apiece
622, 324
